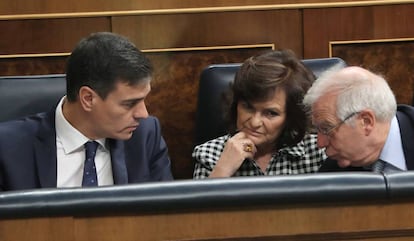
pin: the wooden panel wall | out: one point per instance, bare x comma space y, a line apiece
280, 27
322, 25
75, 6
393, 59
370, 36
35, 46
183, 37
47, 35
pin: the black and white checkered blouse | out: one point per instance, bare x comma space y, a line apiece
305, 157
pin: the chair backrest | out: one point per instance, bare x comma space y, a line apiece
215, 80
25, 95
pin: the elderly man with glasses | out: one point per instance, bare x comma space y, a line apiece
357, 119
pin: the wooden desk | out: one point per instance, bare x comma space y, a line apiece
330, 206
367, 221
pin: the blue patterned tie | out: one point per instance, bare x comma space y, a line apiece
378, 166
89, 172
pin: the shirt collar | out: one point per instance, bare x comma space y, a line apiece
71, 138
392, 152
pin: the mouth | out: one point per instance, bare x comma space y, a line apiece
252, 132
131, 128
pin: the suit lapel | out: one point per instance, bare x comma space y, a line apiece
46, 159
45, 151
119, 169
407, 138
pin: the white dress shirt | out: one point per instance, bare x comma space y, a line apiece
71, 154
392, 152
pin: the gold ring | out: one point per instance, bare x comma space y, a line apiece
248, 148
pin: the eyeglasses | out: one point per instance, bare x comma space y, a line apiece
328, 130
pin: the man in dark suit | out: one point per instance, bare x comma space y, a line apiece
355, 114
108, 79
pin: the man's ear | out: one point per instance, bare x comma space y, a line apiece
86, 97
368, 121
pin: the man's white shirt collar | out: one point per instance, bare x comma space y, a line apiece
70, 137
392, 152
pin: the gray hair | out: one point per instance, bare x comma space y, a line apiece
357, 89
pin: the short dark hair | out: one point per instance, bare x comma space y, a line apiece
103, 59
260, 76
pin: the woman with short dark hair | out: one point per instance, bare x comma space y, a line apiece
267, 123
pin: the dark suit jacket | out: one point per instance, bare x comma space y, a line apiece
28, 154
405, 117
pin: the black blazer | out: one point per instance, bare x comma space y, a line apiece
405, 117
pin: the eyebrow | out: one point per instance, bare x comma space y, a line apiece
278, 110
128, 101
272, 108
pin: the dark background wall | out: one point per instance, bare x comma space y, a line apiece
183, 37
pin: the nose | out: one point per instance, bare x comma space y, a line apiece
256, 120
140, 111
323, 140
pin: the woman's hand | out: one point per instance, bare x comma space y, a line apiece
237, 148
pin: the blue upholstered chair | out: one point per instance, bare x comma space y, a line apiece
25, 95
